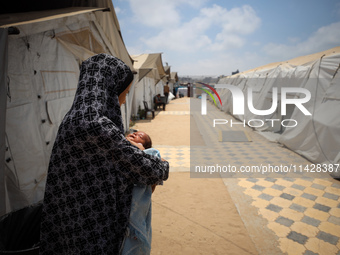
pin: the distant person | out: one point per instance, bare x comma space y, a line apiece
166, 92
158, 101
139, 234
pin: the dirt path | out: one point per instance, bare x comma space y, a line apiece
191, 215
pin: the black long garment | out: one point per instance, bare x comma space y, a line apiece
93, 167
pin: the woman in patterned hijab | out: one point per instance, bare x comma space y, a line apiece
93, 167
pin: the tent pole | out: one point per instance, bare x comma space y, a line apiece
3, 103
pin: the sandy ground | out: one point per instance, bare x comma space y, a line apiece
167, 129
197, 216
191, 215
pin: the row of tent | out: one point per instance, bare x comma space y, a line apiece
315, 136
42, 45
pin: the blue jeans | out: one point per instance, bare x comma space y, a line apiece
139, 233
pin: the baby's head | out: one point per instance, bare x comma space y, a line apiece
141, 137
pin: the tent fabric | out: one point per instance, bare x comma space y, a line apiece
298, 61
321, 143
167, 70
127, 107
39, 86
150, 61
150, 74
143, 91
103, 10
18, 19
173, 77
173, 81
316, 136
3, 95
20, 6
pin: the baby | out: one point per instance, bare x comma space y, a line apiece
140, 138
138, 236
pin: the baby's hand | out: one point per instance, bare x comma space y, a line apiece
139, 145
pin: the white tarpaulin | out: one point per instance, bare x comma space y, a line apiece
151, 72
39, 86
3, 95
315, 136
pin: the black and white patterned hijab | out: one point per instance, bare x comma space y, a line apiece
93, 167
102, 79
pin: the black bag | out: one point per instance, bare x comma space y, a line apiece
20, 231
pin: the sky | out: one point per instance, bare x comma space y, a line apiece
217, 37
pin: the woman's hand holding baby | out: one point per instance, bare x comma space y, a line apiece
138, 145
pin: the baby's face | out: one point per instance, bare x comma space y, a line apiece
138, 137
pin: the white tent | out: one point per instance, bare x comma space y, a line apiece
40, 56
173, 81
316, 136
150, 79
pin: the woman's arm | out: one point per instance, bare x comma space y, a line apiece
138, 166
127, 159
